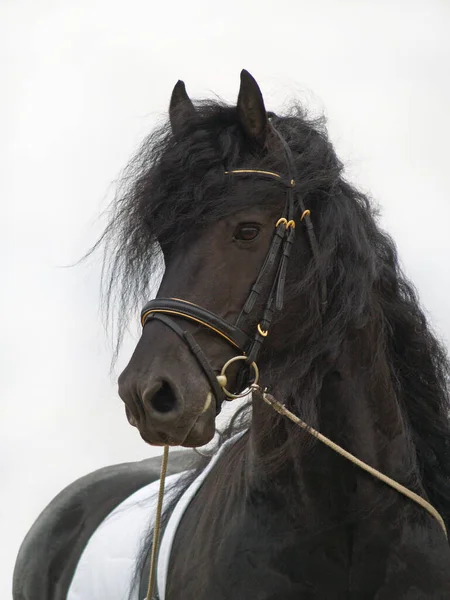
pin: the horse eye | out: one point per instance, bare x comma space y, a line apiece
246, 232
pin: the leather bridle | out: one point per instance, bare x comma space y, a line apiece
167, 310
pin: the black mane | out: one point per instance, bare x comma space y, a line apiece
176, 185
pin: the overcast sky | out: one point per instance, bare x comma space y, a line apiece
82, 83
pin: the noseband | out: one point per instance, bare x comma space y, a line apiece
166, 310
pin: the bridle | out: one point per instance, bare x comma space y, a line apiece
166, 310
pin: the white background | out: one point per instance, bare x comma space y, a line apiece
82, 82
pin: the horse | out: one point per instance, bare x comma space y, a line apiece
279, 285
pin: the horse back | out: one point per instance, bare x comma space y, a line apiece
49, 554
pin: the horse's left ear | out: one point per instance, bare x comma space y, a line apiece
251, 110
180, 107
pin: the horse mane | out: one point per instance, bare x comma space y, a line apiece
175, 185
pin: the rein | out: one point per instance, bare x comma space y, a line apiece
166, 310
398, 487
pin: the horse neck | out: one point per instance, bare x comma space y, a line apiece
357, 408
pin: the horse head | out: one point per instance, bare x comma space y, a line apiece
223, 204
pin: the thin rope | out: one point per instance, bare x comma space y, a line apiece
157, 528
282, 410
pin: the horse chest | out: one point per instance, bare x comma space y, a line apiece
263, 554
258, 555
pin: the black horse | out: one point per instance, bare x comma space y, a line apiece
239, 201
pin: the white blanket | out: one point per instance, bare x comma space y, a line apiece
106, 566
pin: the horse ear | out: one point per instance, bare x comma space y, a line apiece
251, 110
180, 107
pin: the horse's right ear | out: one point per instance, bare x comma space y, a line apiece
250, 109
181, 107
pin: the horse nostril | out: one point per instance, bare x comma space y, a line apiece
164, 400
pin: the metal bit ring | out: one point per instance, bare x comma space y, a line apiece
222, 378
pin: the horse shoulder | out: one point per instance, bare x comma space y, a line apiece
49, 554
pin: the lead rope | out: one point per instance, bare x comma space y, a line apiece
282, 410
157, 528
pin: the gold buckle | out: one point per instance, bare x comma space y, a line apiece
261, 331
287, 223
